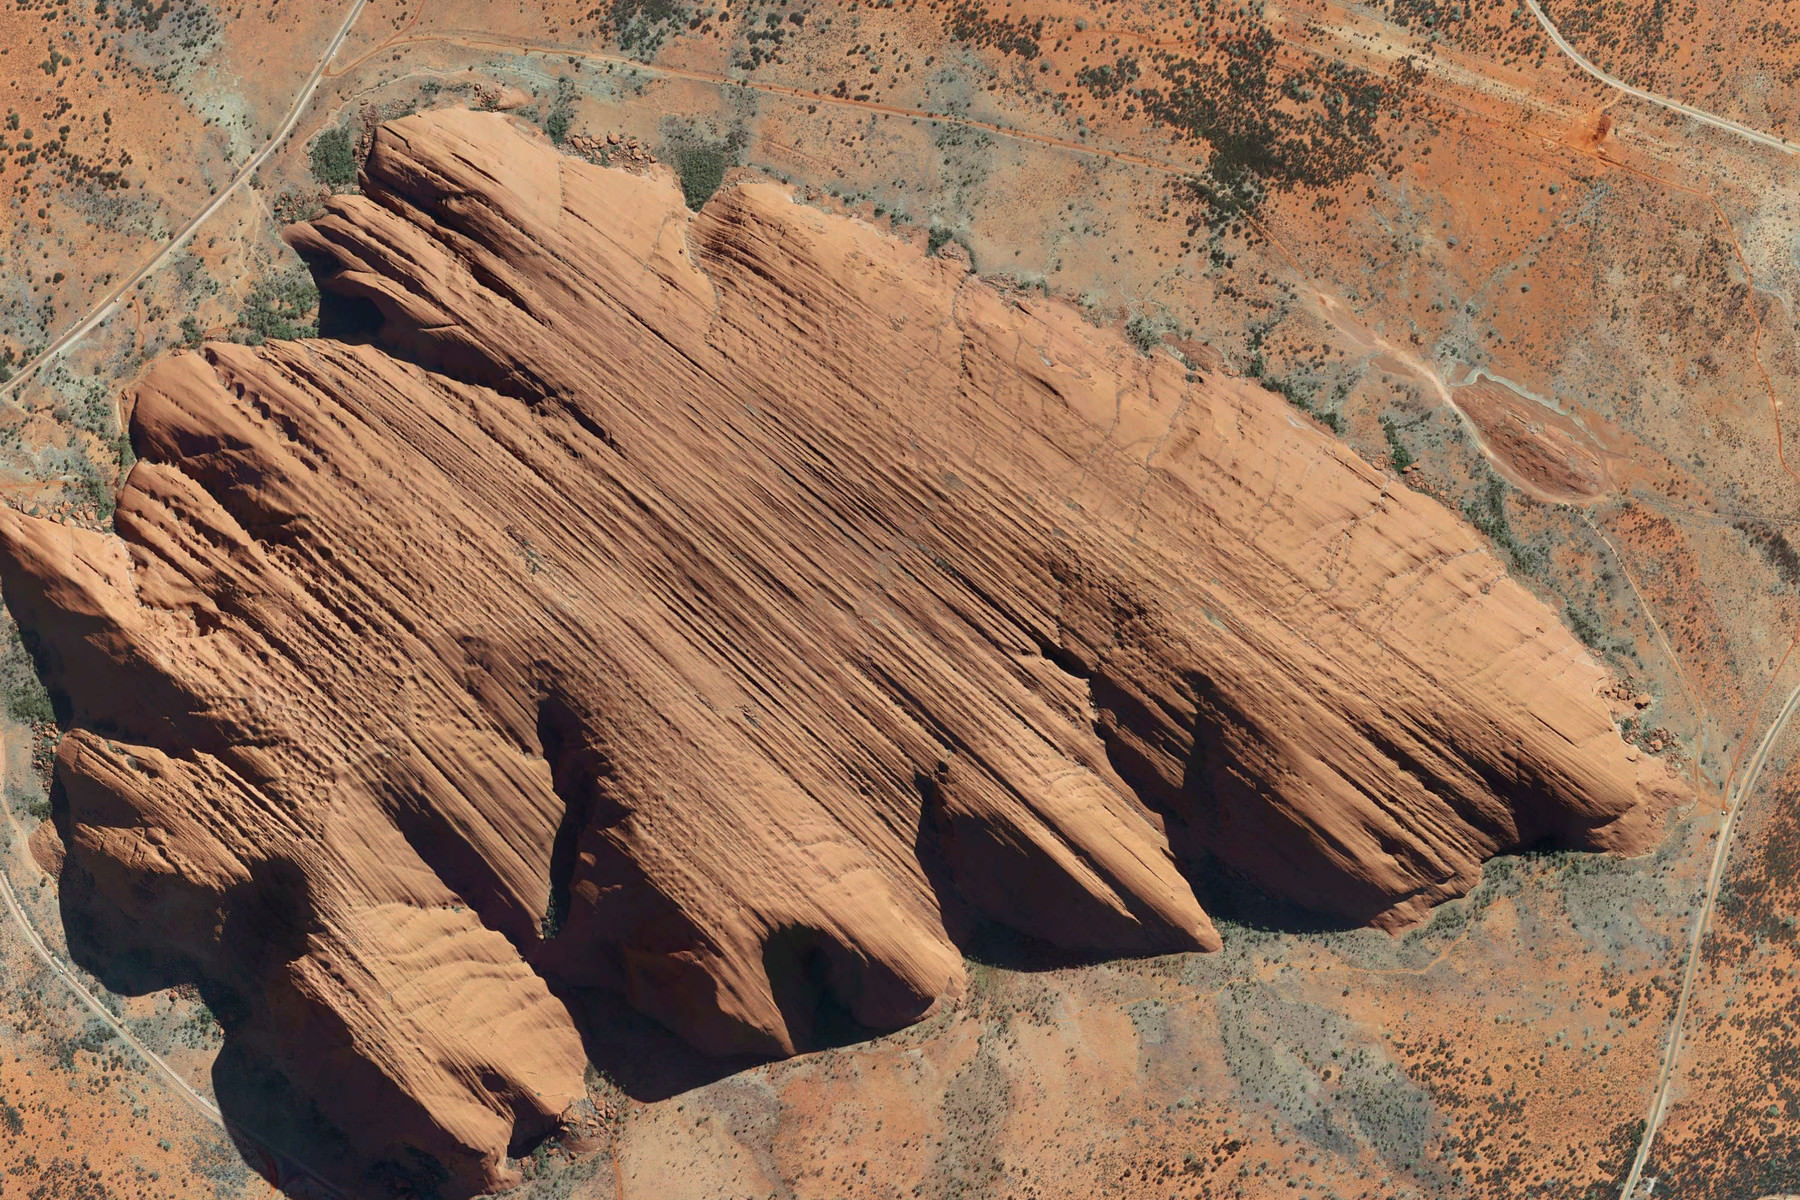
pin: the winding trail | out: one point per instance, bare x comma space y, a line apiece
1686, 110
100, 312
104, 309
476, 40
1702, 920
296, 1179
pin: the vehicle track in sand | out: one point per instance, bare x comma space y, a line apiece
109, 303
98, 313
43, 953
1702, 920
1687, 110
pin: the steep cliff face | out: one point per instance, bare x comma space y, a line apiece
713, 609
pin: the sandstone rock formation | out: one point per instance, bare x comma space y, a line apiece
710, 607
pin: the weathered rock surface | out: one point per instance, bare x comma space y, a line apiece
714, 608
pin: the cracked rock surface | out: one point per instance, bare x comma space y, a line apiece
728, 610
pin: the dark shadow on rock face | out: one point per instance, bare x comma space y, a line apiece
1232, 898
578, 772
284, 1135
299, 1137
1226, 893
808, 972
649, 1062
979, 938
352, 319
1199, 816
645, 1059
368, 316
276, 1128
280, 1136
45, 662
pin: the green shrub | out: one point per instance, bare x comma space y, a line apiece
556, 122
26, 699
1487, 512
95, 487
334, 158
702, 171
277, 307
1144, 333
91, 1039
1397, 452
30, 703
640, 26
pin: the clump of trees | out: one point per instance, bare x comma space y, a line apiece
1145, 332
26, 698
334, 158
556, 121
1398, 454
702, 170
700, 158
281, 307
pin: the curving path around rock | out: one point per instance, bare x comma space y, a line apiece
296, 1178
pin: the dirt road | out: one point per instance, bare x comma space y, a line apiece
1686, 110
110, 301
1702, 919
170, 1075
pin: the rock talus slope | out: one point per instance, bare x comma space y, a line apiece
725, 609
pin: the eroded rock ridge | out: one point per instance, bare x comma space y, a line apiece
724, 609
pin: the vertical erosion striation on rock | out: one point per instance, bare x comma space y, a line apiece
726, 610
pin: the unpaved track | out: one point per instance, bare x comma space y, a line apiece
99, 313
1721, 854
103, 309
205, 1107
109, 302
1686, 110
298, 1180
475, 40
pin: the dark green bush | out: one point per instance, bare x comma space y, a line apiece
702, 171
1401, 457
1144, 333
26, 699
640, 26
556, 121
277, 308
334, 158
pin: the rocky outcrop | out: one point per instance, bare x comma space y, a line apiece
721, 609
